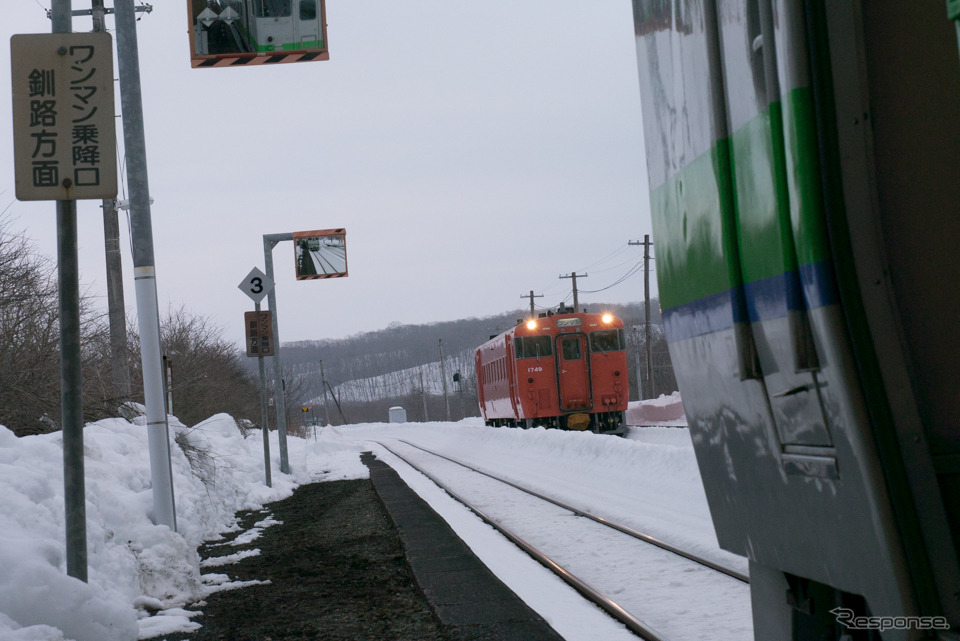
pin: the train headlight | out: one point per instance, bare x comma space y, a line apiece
531, 324
607, 318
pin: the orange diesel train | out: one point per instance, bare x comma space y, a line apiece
563, 369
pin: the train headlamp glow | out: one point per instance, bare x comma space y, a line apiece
607, 318
531, 324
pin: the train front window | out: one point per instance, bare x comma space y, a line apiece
607, 340
532, 346
570, 347
308, 9
272, 8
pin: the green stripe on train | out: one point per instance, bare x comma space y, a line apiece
704, 227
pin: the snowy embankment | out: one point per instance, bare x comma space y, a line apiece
137, 568
134, 566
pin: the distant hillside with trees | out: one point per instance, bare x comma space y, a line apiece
366, 374
400, 365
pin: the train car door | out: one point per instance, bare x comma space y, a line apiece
573, 372
308, 24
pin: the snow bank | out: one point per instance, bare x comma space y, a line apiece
649, 480
658, 411
134, 566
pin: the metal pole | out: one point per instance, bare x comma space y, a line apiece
144, 269
168, 369
71, 407
70, 389
443, 375
269, 240
646, 312
264, 418
636, 357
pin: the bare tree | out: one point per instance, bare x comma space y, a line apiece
207, 375
30, 332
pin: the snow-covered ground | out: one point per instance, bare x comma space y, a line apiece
136, 567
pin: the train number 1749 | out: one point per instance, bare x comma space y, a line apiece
534, 369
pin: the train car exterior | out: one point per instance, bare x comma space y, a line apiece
566, 370
802, 161
259, 26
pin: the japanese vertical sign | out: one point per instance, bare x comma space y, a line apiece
64, 132
259, 333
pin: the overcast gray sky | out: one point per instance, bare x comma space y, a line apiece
473, 151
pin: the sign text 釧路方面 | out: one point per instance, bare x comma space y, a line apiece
64, 116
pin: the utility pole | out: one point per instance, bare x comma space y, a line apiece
116, 310
646, 307
423, 398
533, 312
443, 375
323, 384
144, 266
576, 303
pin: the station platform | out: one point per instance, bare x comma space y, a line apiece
459, 587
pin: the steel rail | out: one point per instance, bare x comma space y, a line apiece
590, 593
669, 547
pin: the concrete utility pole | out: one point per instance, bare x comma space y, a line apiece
533, 312
116, 310
144, 267
576, 303
646, 308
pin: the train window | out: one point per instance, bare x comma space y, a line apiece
607, 340
273, 8
308, 9
570, 348
532, 346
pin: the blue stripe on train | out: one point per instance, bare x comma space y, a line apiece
762, 300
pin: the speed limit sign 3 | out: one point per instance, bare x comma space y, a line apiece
256, 285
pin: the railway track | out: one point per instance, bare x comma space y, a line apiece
328, 260
657, 590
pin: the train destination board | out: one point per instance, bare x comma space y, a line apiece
64, 131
